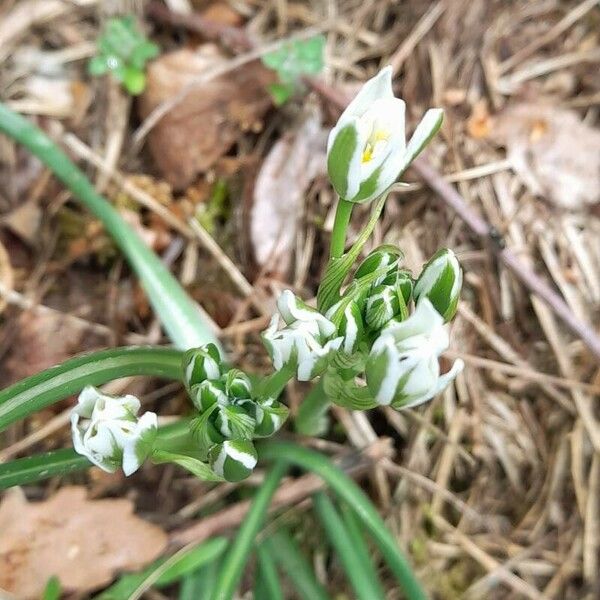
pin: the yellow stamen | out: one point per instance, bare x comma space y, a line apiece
379, 135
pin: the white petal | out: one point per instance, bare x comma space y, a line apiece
429, 124
425, 320
375, 88
440, 385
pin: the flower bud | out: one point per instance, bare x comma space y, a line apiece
238, 385
385, 257
305, 344
270, 415
441, 282
346, 315
200, 364
403, 366
366, 150
107, 430
207, 393
233, 460
383, 304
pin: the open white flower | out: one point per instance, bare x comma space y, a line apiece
107, 430
305, 343
367, 150
403, 367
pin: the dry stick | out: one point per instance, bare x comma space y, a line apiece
565, 23
523, 373
233, 37
453, 199
292, 492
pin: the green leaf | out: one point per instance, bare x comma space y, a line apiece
134, 81
43, 389
283, 548
98, 65
356, 499
41, 466
178, 313
52, 590
291, 62
281, 92
193, 465
239, 552
166, 571
360, 574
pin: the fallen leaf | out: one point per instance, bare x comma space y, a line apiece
6, 274
556, 155
82, 542
279, 192
210, 118
24, 221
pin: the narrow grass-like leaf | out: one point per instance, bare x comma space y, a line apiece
267, 586
41, 466
39, 391
166, 571
62, 462
179, 315
350, 493
357, 539
296, 567
52, 589
360, 576
237, 556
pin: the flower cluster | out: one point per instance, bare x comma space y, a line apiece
107, 430
305, 343
231, 413
371, 330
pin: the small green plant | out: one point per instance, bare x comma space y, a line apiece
374, 339
123, 51
293, 61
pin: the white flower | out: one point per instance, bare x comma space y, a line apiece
107, 430
305, 343
366, 150
403, 367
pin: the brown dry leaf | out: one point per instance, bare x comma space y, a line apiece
44, 339
24, 221
212, 116
279, 191
83, 542
555, 154
6, 274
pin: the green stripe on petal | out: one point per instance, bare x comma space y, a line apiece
341, 159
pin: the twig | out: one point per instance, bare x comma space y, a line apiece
480, 227
565, 23
233, 37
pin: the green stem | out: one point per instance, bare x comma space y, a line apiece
178, 313
312, 415
340, 225
350, 493
360, 573
39, 391
237, 556
339, 266
273, 385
